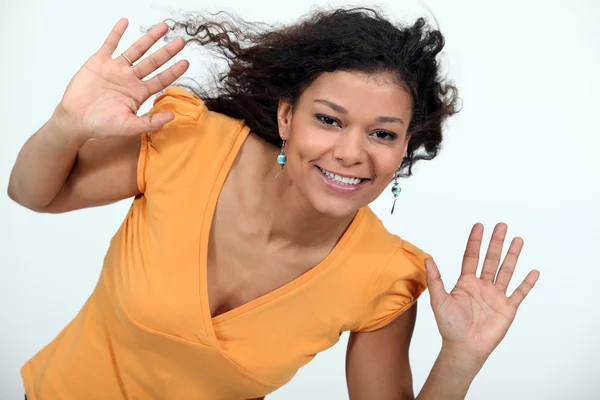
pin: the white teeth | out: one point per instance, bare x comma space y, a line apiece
343, 180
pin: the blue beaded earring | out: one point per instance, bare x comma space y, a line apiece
395, 190
281, 159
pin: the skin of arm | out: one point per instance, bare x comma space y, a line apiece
58, 170
378, 367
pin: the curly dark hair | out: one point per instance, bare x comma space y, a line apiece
267, 64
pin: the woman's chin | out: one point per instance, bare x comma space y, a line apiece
336, 209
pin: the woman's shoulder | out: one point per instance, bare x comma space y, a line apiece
180, 102
375, 238
190, 107
195, 140
392, 270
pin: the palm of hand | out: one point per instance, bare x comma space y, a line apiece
111, 98
103, 97
476, 314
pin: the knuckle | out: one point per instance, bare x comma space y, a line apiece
487, 274
154, 62
137, 49
493, 256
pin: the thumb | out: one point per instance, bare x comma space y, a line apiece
149, 122
437, 292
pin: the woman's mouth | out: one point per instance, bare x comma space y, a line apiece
339, 183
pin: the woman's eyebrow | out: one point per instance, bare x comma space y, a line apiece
342, 110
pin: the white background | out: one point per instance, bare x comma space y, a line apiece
524, 150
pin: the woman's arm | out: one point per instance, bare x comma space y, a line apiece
378, 367
472, 319
58, 171
377, 364
86, 154
43, 165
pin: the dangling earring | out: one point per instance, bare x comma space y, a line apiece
281, 159
395, 190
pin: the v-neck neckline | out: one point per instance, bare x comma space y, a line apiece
210, 322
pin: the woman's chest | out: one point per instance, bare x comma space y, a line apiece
268, 311
241, 268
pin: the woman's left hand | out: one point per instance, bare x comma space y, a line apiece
474, 317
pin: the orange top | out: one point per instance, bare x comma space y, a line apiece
146, 331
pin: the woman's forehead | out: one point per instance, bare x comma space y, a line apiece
359, 92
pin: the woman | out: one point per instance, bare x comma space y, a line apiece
249, 246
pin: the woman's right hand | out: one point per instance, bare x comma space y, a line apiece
102, 99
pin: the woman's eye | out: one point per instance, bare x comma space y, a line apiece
330, 121
385, 135
324, 119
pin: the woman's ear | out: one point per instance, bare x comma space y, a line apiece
284, 118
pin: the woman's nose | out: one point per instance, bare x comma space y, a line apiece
350, 148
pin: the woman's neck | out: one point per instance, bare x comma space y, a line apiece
292, 218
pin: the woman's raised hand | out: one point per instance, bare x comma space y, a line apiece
102, 99
474, 317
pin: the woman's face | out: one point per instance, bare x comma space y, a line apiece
345, 139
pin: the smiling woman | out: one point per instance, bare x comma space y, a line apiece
347, 126
250, 245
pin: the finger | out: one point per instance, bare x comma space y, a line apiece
523, 290
437, 292
471, 256
143, 44
114, 37
508, 265
156, 60
148, 122
168, 76
494, 253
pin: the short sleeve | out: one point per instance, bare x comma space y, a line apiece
398, 286
163, 152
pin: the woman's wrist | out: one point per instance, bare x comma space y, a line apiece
461, 361
451, 375
64, 130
